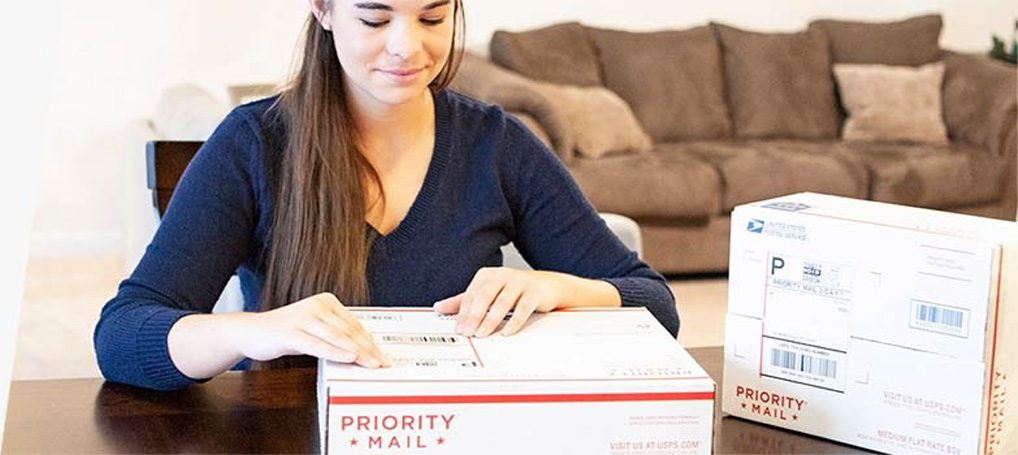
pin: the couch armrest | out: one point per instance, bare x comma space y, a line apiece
980, 101
622, 226
981, 108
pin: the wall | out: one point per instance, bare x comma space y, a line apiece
115, 58
24, 122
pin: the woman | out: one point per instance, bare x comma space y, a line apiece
365, 132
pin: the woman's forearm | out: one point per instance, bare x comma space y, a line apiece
585, 292
204, 345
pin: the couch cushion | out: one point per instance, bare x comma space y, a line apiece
672, 80
756, 170
650, 185
931, 176
910, 42
560, 53
892, 103
779, 84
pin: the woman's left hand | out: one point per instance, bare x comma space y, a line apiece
495, 291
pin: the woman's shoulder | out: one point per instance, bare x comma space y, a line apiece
468, 108
481, 117
259, 114
251, 127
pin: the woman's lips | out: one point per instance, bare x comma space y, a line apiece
402, 75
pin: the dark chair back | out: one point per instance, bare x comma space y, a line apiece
165, 162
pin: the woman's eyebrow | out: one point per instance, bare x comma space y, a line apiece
373, 6
434, 5
384, 7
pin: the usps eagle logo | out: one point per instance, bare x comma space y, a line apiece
756, 226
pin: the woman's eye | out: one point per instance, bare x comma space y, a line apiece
374, 23
432, 21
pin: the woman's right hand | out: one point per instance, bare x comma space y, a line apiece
204, 345
319, 325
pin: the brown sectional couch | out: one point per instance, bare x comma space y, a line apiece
737, 116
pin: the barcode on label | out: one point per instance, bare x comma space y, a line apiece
419, 339
804, 363
379, 317
937, 315
939, 318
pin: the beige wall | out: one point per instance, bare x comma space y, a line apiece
23, 121
116, 56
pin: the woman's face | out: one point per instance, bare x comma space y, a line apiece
390, 50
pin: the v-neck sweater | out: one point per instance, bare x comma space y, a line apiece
490, 182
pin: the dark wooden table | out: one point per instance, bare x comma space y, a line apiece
255, 412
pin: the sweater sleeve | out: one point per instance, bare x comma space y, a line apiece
203, 237
557, 229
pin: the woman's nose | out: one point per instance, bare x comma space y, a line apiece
404, 40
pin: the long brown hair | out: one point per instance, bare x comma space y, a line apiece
319, 237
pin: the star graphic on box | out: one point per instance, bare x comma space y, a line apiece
743, 405
795, 416
440, 441
353, 442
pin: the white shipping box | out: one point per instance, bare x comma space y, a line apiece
584, 382
887, 327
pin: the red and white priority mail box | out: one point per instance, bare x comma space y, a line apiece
887, 327
582, 382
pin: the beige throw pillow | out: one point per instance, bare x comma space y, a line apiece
598, 120
892, 103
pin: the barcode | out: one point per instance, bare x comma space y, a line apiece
804, 363
419, 339
379, 317
940, 316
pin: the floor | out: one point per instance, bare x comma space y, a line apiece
63, 297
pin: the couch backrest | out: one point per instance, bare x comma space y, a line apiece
719, 81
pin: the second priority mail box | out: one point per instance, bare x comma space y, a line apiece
887, 327
582, 382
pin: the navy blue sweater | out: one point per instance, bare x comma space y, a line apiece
490, 182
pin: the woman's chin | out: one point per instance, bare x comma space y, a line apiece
399, 95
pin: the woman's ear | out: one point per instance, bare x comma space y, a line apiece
322, 9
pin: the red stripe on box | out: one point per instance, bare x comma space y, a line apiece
504, 380
763, 316
474, 348
431, 310
482, 399
993, 352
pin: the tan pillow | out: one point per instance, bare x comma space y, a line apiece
892, 103
598, 120
779, 84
